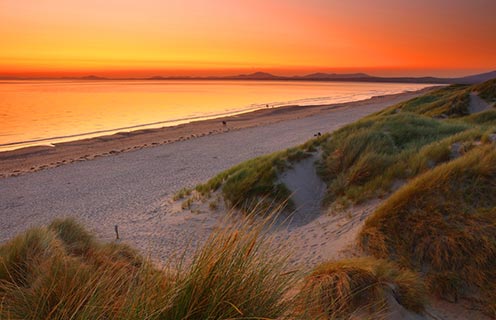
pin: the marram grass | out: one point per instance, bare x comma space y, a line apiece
360, 288
62, 272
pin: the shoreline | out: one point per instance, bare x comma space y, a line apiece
31, 159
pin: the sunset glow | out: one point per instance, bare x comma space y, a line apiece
200, 37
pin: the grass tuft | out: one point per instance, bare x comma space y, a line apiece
360, 288
75, 238
181, 194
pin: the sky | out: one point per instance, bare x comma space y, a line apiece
220, 37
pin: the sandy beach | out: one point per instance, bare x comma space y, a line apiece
131, 177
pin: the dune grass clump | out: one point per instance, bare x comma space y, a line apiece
447, 102
236, 275
253, 183
443, 224
181, 194
364, 159
360, 288
75, 238
62, 272
486, 118
444, 150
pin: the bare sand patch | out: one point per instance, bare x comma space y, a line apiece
477, 104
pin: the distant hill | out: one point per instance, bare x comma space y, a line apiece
476, 78
355, 77
92, 77
318, 76
255, 76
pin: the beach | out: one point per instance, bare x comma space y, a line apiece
129, 179
123, 178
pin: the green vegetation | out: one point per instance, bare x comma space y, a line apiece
360, 287
444, 224
253, 183
487, 118
447, 102
181, 194
61, 272
364, 159
367, 158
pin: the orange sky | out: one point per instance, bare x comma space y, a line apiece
198, 37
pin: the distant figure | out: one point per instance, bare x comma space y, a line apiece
224, 123
266, 105
319, 134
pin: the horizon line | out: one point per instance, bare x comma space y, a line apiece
96, 76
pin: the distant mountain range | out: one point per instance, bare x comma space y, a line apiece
319, 76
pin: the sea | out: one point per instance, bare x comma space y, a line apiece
45, 112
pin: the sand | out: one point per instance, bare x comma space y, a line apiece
477, 104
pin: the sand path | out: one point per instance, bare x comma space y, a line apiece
477, 104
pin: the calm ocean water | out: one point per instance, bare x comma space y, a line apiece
46, 112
